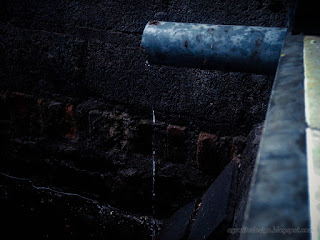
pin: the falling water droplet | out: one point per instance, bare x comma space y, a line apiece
153, 176
147, 64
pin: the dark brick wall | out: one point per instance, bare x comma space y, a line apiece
75, 112
90, 49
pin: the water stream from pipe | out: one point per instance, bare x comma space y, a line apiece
153, 177
153, 165
154, 223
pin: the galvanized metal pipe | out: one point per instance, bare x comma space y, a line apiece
220, 47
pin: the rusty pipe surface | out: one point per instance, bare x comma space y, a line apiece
220, 47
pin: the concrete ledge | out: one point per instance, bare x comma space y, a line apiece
278, 200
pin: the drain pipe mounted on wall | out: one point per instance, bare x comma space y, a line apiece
220, 47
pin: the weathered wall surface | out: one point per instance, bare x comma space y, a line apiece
90, 49
75, 113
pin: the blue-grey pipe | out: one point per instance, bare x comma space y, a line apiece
219, 47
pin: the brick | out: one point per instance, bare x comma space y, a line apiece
206, 151
69, 120
176, 149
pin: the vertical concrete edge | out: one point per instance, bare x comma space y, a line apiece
275, 207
